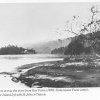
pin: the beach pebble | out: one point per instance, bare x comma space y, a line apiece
14, 79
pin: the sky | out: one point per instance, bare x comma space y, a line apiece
22, 23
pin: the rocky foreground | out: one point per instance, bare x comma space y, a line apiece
73, 71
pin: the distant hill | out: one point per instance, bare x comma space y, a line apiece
47, 47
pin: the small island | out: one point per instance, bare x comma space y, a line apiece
11, 50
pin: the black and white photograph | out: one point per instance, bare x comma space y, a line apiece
49, 45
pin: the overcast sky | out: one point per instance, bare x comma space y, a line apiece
32, 23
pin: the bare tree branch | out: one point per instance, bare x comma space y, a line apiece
72, 32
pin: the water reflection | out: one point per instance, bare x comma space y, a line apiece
8, 63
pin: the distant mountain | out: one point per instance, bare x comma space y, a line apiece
47, 47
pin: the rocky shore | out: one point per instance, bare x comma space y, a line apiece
73, 71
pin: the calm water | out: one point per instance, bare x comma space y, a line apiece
9, 62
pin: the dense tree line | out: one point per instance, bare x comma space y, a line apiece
83, 46
11, 49
60, 50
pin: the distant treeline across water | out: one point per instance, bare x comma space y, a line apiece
11, 49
